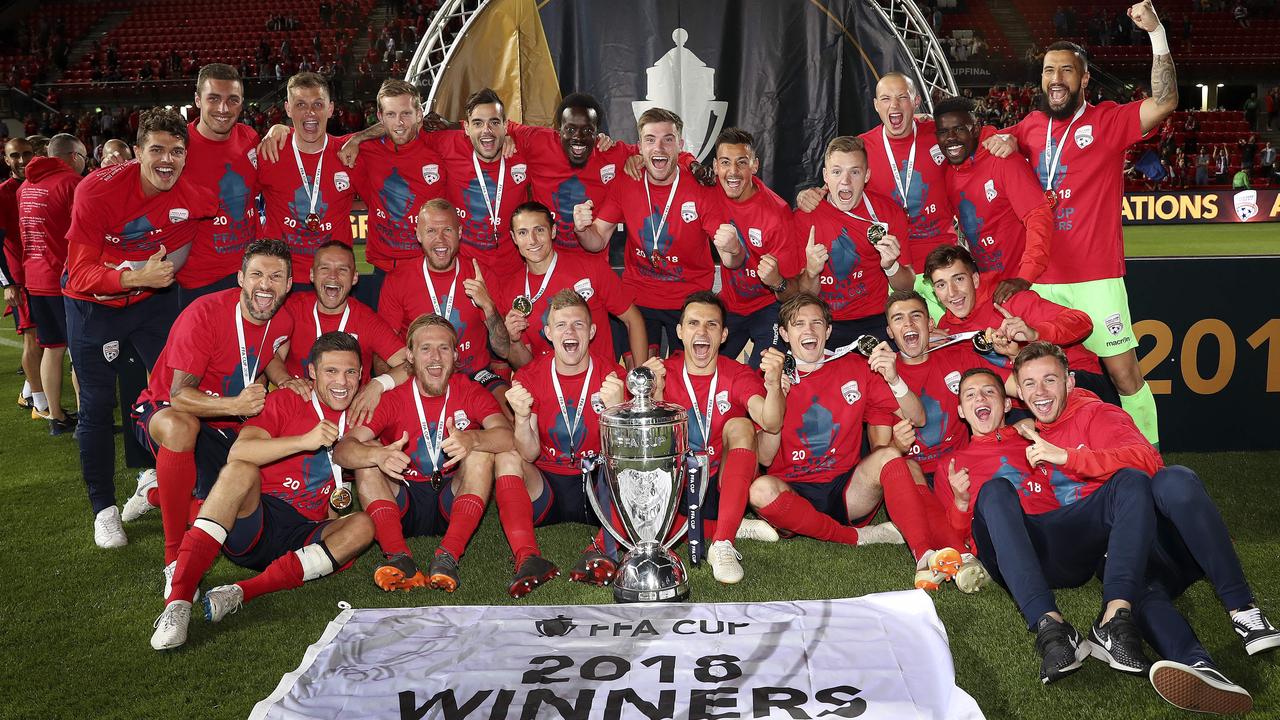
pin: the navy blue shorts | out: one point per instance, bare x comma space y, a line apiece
828, 499
213, 445
49, 313
563, 499
424, 511
273, 529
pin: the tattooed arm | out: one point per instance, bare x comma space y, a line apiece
1164, 79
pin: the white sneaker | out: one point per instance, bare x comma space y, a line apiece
222, 601
137, 506
972, 576
169, 571
884, 533
171, 626
723, 559
107, 531
753, 529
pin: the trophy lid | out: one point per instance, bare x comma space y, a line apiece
642, 410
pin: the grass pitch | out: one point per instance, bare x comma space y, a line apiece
1202, 240
75, 620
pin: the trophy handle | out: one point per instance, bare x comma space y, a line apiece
693, 468
590, 464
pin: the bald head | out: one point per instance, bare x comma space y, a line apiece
69, 150
17, 153
895, 102
115, 152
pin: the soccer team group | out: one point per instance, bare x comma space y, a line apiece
983, 387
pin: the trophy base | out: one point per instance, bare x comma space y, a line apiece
651, 573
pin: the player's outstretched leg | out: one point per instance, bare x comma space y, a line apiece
512, 494
472, 487
378, 497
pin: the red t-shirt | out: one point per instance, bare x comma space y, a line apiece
597, 284
852, 282
1001, 455
991, 196
927, 206
494, 250
559, 448
763, 223
287, 203
469, 404
736, 384
230, 166
1054, 323
1089, 181
394, 182
404, 297
822, 429
112, 221
560, 186
304, 479
374, 334
204, 343
684, 246
9, 229
45, 215
936, 381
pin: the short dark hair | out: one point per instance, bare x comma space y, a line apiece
944, 255
800, 300
657, 115
217, 71
1068, 46
336, 341
734, 136
973, 371
898, 296
486, 96
954, 104
705, 297
580, 100
1038, 349
532, 206
338, 244
308, 80
159, 119
270, 247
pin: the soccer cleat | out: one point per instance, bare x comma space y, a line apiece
1200, 688
723, 558
107, 531
25, 402
171, 626
399, 572
443, 571
62, 427
531, 573
1257, 633
972, 576
930, 580
137, 506
1119, 644
1062, 650
37, 415
753, 529
945, 561
222, 601
883, 533
594, 568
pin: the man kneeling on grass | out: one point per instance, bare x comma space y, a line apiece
270, 508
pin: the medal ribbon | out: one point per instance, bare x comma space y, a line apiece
1048, 139
495, 206
431, 290
904, 186
245, 371
338, 483
703, 424
342, 324
312, 189
433, 448
572, 424
657, 232
555, 257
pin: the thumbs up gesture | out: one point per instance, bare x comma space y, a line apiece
156, 273
815, 255
393, 460
458, 444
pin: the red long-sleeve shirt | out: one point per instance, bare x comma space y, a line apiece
1062, 326
1100, 439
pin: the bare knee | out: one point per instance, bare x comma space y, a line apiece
174, 429
1125, 372
739, 433
372, 485
764, 490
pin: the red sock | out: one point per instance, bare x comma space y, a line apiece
737, 470
906, 506
176, 478
515, 510
792, 512
195, 557
464, 518
284, 573
941, 532
153, 496
387, 530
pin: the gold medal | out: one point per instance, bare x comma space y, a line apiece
1051, 197
313, 222
655, 259
523, 305
981, 344
866, 344
341, 499
437, 480
876, 232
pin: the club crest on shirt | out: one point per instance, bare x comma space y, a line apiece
1114, 324
431, 174
689, 211
597, 403
953, 382
1084, 136
460, 420
253, 157
111, 350
851, 392
341, 181
935, 152
583, 288
756, 237
177, 215
990, 189
1246, 202
607, 173
722, 401
518, 172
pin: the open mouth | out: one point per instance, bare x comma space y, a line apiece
911, 341
1042, 407
1058, 94
263, 302
579, 149
332, 291
488, 144
311, 127
955, 151
897, 121
733, 183
982, 413
440, 252
661, 164
435, 371
571, 345
165, 174
810, 343
701, 350
338, 393
956, 303
845, 196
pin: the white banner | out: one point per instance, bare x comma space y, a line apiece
877, 656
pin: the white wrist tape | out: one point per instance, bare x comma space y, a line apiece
1159, 41
386, 381
899, 388
892, 269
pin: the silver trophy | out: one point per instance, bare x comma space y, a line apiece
646, 461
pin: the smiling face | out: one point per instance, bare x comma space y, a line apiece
896, 104
1044, 385
264, 286
487, 127
220, 102
17, 153
983, 403
806, 332
337, 377
309, 108
846, 175
702, 331
957, 135
660, 146
1063, 80
333, 273
735, 166
909, 328
579, 128
432, 354
956, 287
570, 330
533, 234
401, 116
439, 237
162, 157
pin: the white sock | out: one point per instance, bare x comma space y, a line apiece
26, 389
41, 401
